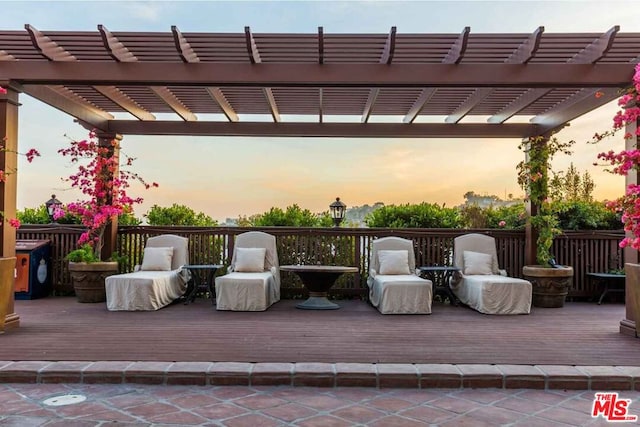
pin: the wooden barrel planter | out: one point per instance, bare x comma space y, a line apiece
88, 279
550, 285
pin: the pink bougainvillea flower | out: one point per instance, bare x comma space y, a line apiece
31, 154
101, 178
15, 223
502, 223
2, 90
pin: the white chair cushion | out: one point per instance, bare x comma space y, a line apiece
477, 263
250, 260
157, 259
394, 261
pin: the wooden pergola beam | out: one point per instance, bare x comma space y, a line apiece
526, 99
254, 57
120, 98
186, 52
596, 50
347, 130
317, 75
66, 101
521, 56
118, 51
47, 48
385, 58
174, 103
224, 104
580, 103
454, 56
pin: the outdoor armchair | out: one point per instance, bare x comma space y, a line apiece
394, 286
252, 282
481, 284
156, 283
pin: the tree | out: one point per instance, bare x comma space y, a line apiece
571, 186
178, 215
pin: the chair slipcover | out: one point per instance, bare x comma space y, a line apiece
151, 290
246, 291
398, 293
492, 293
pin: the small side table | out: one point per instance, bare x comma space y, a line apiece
609, 282
199, 282
440, 276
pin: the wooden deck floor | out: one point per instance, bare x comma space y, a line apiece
59, 328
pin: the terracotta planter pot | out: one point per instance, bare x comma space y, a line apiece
550, 285
88, 279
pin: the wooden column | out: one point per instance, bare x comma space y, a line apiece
530, 235
111, 231
8, 189
632, 286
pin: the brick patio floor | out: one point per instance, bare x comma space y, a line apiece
238, 406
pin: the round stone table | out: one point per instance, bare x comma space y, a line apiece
318, 279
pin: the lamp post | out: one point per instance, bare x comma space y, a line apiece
337, 209
52, 204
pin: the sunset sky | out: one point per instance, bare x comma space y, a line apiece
226, 177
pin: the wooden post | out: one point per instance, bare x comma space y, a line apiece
628, 325
8, 189
531, 235
111, 230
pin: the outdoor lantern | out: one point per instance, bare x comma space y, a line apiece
338, 209
52, 204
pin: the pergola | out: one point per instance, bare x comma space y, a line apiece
415, 85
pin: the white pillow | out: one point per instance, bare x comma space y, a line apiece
250, 260
157, 259
477, 263
394, 262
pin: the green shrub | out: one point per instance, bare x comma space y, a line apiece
37, 215
581, 215
423, 215
292, 216
178, 215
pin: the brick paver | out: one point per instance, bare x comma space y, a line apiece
147, 405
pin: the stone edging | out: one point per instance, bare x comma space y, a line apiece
381, 375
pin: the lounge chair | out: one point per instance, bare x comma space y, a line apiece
481, 284
394, 288
156, 283
253, 279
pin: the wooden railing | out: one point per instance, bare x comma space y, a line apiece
585, 251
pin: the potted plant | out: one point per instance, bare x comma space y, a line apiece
624, 162
104, 181
88, 273
550, 281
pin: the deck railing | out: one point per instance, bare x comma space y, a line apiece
586, 251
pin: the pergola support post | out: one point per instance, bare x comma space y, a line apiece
8, 192
531, 235
111, 230
628, 325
